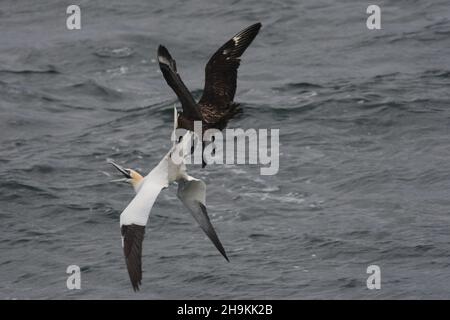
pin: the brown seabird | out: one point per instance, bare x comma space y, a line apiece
216, 106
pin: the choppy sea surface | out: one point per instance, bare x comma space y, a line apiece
364, 177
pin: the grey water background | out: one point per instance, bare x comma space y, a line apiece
364, 150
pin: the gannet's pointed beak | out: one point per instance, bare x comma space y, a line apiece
123, 171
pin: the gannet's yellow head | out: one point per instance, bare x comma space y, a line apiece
131, 176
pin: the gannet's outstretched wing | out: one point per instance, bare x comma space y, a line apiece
134, 218
192, 192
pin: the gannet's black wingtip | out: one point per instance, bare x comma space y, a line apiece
208, 228
136, 286
133, 236
221, 249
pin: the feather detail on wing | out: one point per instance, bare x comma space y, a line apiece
221, 72
169, 70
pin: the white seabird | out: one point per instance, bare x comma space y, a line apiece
191, 191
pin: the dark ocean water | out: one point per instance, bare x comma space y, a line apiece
364, 177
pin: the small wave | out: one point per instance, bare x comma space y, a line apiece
15, 185
164, 106
410, 251
288, 198
122, 52
350, 283
436, 74
387, 76
38, 168
259, 235
95, 87
50, 69
297, 85
117, 71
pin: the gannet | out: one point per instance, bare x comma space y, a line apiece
191, 192
216, 105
